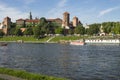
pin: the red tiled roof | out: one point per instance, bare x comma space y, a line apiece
20, 19
58, 19
54, 19
50, 19
32, 20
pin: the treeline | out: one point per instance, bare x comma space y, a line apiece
44, 28
111, 27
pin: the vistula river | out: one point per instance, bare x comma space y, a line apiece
89, 62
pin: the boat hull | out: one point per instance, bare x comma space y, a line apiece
77, 43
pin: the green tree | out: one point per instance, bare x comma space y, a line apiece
59, 30
108, 26
18, 32
28, 31
80, 30
12, 31
50, 28
43, 21
71, 31
116, 28
13, 25
36, 32
93, 29
1, 33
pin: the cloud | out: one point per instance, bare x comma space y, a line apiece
102, 13
11, 12
62, 3
57, 10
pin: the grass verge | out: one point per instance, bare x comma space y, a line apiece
26, 75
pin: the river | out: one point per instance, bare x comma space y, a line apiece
89, 62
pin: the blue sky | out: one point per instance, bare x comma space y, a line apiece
88, 11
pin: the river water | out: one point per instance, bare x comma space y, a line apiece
89, 62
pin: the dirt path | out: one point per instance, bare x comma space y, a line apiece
7, 77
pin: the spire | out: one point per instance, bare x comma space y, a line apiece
30, 17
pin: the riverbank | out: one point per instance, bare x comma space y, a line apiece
59, 39
31, 39
10, 74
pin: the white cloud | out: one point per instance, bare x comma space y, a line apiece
57, 10
11, 12
102, 13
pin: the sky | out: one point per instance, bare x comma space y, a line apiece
88, 11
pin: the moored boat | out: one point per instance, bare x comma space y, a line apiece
77, 43
3, 44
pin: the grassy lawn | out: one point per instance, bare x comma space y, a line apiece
31, 38
27, 75
15, 38
2, 79
56, 39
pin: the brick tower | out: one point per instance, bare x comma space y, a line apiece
75, 21
66, 19
7, 24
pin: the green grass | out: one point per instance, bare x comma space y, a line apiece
27, 75
2, 79
30, 38
56, 39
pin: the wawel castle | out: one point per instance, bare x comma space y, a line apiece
65, 22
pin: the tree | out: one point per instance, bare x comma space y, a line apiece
80, 30
1, 33
116, 28
18, 32
71, 31
107, 27
94, 29
50, 28
12, 31
58, 30
28, 31
13, 25
43, 21
36, 32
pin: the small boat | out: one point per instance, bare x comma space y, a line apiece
3, 44
77, 43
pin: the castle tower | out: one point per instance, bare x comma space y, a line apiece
30, 16
7, 24
66, 19
75, 21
